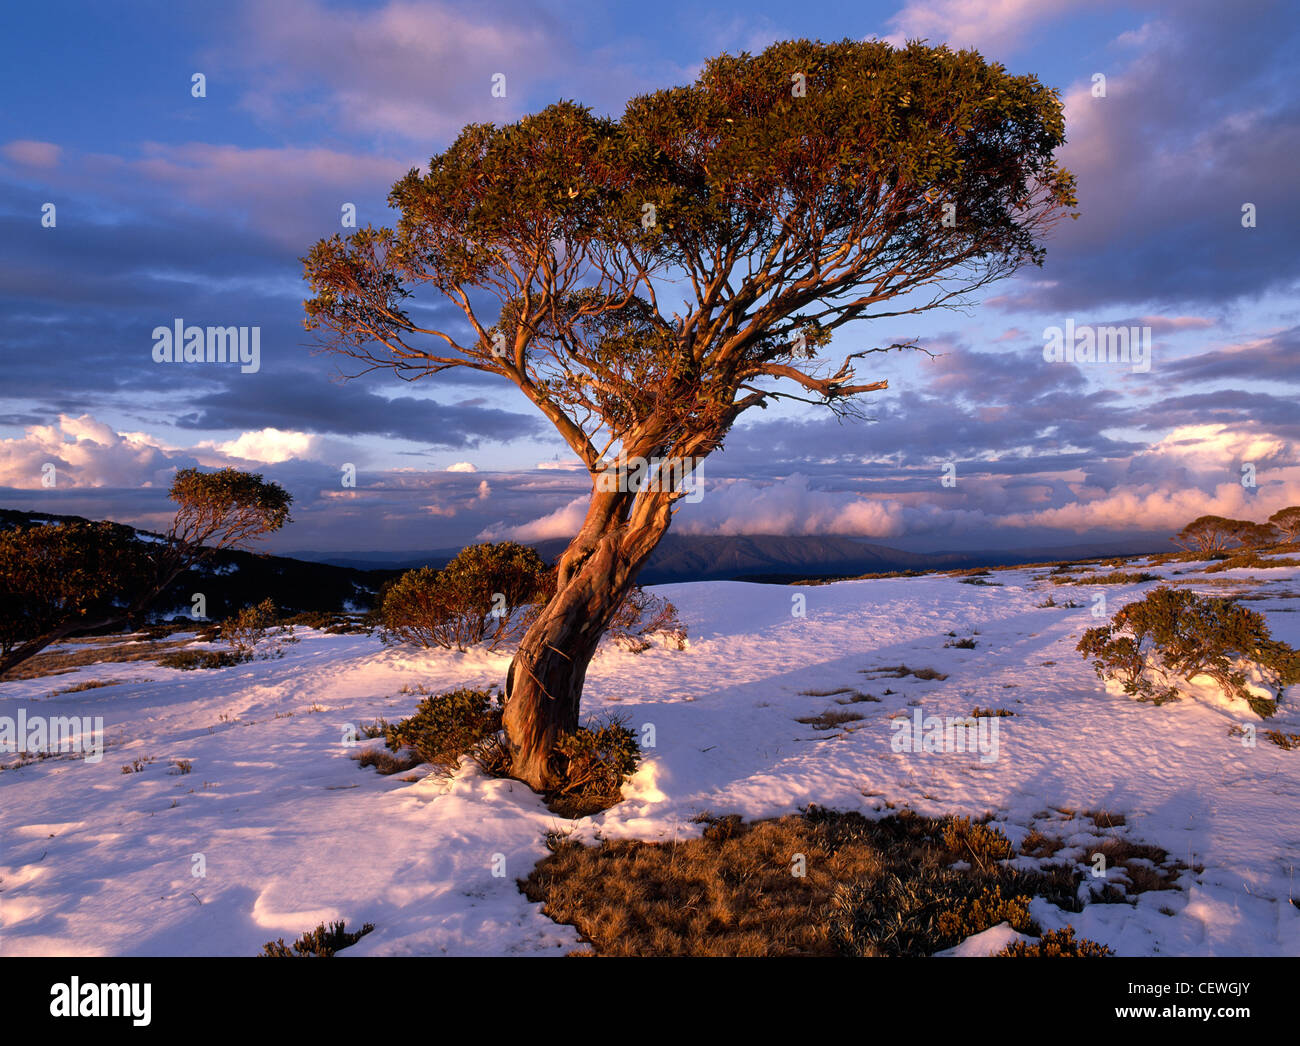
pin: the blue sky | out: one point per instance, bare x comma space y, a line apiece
170, 206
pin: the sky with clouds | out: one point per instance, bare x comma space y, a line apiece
170, 206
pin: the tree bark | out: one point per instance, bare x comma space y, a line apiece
545, 680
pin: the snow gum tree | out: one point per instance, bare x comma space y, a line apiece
645, 280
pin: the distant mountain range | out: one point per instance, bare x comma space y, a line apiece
690, 557
314, 580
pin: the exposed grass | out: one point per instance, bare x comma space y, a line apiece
89, 684
826, 693
829, 720
977, 712
962, 644
190, 660
899, 671
1118, 577
856, 697
93, 651
816, 883
1288, 742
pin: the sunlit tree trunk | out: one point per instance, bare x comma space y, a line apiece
594, 576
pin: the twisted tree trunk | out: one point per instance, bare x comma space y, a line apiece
595, 574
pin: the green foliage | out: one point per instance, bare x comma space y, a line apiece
234, 504
189, 660
919, 914
1057, 944
65, 574
845, 184
1175, 634
596, 762
446, 726
247, 631
475, 598
1287, 522
321, 942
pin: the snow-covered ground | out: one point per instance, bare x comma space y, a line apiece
288, 831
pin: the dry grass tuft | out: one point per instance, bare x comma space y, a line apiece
818, 883
829, 720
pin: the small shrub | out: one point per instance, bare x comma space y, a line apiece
643, 615
445, 727
1176, 634
962, 644
321, 942
1287, 742
594, 763
189, 660
967, 841
1056, 944
372, 730
386, 762
247, 632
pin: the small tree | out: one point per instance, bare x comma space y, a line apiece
68, 579
1254, 535
1207, 534
1287, 521
778, 198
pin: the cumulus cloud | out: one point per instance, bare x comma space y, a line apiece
267, 446
564, 522
789, 506
84, 453
463, 466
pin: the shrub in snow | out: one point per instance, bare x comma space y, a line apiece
1057, 944
594, 763
1175, 634
475, 598
643, 615
189, 660
321, 942
249, 632
446, 726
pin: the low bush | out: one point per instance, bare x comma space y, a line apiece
1057, 944
476, 598
1175, 634
594, 763
642, 616
321, 942
255, 631
189, 660
445, 727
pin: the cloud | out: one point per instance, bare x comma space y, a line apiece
462, 466
564, 522
1162, 183
268, 446
991, 26
28, 153
85, 453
